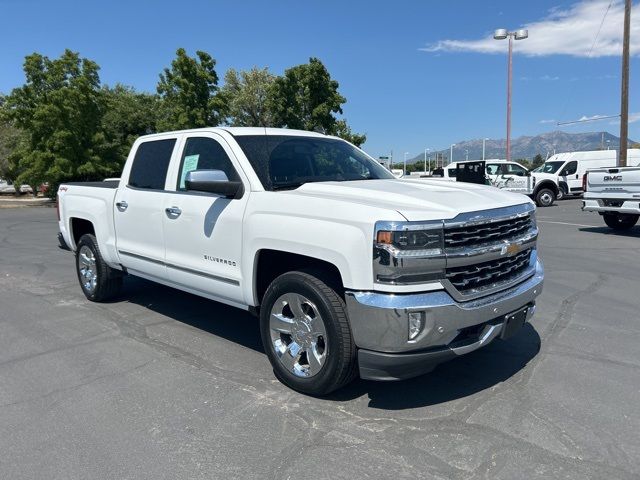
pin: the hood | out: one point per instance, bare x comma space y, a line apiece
416, 199
539, 176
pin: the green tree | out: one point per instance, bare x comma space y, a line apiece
537, 161
188, 92
59, 109
127, 115
343, 130
306, 98
245, 95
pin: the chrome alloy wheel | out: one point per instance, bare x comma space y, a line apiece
298, 335
87, 269
546, 199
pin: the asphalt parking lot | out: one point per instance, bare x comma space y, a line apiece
165, 385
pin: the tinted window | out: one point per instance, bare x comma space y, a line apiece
515, 169
201, 153
150, 165
452, 172
571, 168
286, 161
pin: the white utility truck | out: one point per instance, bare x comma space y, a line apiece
615, 194
567, 169
350, 270
505, 175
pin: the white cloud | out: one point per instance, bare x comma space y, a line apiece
548, 121
569, 31
591, 118
549, 78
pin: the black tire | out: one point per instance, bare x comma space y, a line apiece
620, 221
545, 197
108, 281
340, 363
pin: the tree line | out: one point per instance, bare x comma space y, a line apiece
63, 124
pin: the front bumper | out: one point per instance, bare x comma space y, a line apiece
379, 323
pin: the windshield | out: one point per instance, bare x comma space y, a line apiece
287, 161
551, 167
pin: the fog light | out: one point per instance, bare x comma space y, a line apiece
416, 324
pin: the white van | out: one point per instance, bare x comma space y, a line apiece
567, 169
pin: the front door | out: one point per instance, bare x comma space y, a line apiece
203, 231
509, 176
569, 175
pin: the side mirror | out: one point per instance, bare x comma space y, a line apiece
213, 181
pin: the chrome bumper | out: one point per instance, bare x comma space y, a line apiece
380, 326
597, 205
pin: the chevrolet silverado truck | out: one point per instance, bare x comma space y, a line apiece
615, 194
350, 270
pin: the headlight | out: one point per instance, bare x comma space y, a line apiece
407, 252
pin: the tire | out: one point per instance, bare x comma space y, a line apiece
98, 281
306, 335
620, 221
545, 197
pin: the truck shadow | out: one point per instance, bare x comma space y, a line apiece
632, 233
450, 381
459, 378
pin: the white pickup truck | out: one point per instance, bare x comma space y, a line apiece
350, 270
615, 194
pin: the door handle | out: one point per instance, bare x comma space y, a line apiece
122, 206
173, 212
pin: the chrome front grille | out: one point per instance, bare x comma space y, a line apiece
489, 274
484, 233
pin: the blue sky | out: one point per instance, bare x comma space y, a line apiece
415, 74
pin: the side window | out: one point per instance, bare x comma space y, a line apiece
202, 153
492, 169
453, 172
514, 169
571, 168
150, 165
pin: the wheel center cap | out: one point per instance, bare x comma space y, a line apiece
301, 333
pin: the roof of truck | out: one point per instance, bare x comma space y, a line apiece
241, 131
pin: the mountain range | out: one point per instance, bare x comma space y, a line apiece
527, 147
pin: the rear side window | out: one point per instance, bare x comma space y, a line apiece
202, 153
150, 165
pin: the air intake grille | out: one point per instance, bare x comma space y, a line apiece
488, 273
473, 235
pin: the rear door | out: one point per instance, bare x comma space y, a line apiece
138, 210
203, 231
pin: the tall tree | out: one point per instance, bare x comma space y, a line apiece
306, 98
245, 95
188, 92
127, 115
59, 109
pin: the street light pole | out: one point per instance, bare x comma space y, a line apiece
624, 94
451, 153
483, 145
405, 164
502, 34
425, 160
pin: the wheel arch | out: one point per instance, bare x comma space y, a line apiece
78, 227
546, 184
269, 264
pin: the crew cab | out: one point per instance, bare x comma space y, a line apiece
614, 193
350, 270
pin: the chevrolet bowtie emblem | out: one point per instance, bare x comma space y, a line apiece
510, 249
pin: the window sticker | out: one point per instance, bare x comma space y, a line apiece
190, 163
